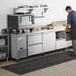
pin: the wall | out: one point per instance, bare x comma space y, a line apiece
56, 10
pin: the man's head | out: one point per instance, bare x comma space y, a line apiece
68, 9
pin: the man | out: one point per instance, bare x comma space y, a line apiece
71, 22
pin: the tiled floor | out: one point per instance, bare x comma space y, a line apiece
64, 69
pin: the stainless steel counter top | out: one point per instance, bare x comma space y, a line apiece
41, 31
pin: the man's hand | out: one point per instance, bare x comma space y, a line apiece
67, 27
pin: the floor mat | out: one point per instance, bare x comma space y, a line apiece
39, 63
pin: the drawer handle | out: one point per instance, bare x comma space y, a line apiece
21, 48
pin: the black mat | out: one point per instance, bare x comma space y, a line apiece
39, 63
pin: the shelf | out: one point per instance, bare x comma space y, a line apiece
33, 8
2, 58
2, 46
29, 10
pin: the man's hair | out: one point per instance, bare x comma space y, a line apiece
68, 8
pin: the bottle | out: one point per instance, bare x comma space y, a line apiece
53, 24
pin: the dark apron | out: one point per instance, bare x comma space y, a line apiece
73, 31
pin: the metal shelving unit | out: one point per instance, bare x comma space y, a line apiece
4, 46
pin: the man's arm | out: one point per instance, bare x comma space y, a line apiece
69, 20
68, 25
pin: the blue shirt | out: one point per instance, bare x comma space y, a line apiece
71, 17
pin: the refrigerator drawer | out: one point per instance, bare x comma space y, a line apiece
34, 38
61, 44
34, 49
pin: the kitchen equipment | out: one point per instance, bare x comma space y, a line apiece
22, 10
37, 10
19, 21
5, 31
34, 44
60, 35
60, 40
18, 46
